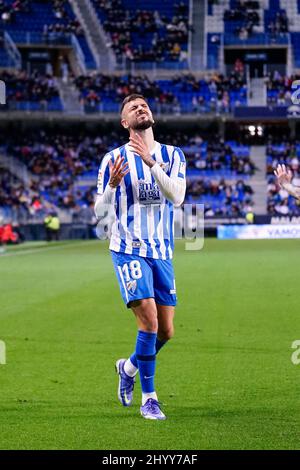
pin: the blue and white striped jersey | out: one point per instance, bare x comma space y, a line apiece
143, 222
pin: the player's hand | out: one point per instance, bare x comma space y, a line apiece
283, 175
117, 171
138, 146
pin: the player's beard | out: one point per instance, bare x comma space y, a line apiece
142, 126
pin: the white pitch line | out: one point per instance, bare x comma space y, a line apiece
42, 250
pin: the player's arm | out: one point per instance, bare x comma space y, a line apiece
173, 187
284, 178
109, 177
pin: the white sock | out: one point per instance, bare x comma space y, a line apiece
146, 396
130, 369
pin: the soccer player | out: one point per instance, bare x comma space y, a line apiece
144, 180
284, 178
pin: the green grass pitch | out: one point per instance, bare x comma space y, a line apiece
226, 380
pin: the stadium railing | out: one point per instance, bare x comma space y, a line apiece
27, 37
79, 53
265, 39
132, 66
54, 105
12, 51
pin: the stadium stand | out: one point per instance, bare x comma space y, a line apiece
220, 198
152, 43
239, 22
62, 163
17, 202
4, 58
181, 94
31, 92
146, 34
43, 22
287, 153
227, 159
279, 89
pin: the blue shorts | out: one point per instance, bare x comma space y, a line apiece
141, 278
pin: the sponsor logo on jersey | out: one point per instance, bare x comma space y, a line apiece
148, 192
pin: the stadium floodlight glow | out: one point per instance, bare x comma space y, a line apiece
251, 129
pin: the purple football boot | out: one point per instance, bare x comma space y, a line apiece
151, 410
126, 384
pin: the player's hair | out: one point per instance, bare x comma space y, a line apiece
132, 97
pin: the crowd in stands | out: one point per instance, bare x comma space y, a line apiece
215, 157
243, 11
21, 86
8, 10
57, 160
245, 16
280, 23
98, 87
279, 202
59, 8
217, 154
182, 93
221, 198
66, 22
286, 152
57, 30
18, 202
164, 38
279, 88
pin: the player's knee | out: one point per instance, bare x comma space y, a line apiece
151, 323
148, 319
166, 334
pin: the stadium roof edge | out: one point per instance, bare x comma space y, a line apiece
104, 118
55, 117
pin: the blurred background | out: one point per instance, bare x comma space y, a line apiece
217, 75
